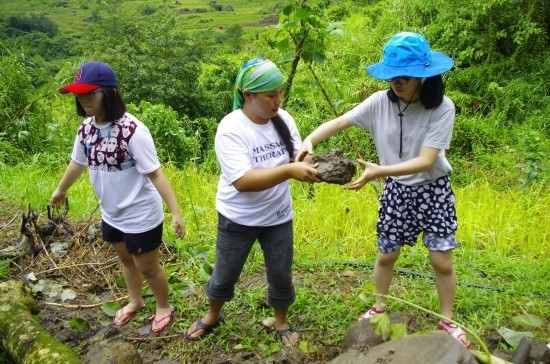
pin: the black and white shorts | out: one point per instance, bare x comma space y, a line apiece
406, 211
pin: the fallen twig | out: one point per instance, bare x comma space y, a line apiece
64, 305
9, 223
59, 267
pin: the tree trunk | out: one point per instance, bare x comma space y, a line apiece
21, 334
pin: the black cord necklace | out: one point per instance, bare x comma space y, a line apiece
401, 114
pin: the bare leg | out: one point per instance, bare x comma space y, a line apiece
445, 280
213, 315
149, 266
132, 277
281, 324
383, 274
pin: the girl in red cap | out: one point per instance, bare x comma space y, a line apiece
120, 155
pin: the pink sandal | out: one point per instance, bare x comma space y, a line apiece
123, 317
372, 312
455, 331
166, 321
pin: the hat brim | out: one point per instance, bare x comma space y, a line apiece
440, 63
78, 88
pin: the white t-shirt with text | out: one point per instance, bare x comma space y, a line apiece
242, 145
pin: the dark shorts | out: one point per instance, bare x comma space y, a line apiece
407, 211
135, 243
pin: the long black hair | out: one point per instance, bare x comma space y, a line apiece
284, 133
431, 92
113, 104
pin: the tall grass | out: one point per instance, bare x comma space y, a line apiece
340, 222
502, 262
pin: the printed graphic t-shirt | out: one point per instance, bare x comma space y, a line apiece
242, 145
119, 156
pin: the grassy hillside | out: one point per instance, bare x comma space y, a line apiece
71, 16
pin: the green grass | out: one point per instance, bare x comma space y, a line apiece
70, 15
502, 263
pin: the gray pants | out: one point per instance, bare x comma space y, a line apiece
232, 248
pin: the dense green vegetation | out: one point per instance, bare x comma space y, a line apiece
498, 84
176, 69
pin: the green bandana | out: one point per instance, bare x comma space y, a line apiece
256, 75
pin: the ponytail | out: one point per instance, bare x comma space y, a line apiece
284, 133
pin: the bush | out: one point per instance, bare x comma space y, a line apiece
171, 140
33, 23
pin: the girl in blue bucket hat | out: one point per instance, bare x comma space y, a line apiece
411, 124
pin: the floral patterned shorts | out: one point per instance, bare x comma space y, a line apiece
406, 211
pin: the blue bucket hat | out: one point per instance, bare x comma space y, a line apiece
409, 54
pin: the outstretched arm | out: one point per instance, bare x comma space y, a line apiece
323, 132
422, 163
165, 190
73, 171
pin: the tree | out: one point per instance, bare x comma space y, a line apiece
154, 61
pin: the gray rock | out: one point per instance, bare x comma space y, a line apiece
433, 348
112, 352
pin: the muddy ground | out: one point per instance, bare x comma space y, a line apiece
90, 271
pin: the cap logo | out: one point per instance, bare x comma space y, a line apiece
78, 75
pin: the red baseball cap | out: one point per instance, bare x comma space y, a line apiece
90, 76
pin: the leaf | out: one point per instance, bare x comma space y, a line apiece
288, 9
381, 325
79, 324
513, 337
208, 269
306, 347
335, 25
59, 249
398, 331
528, 320
110, 308
182, 289
68, 294
120, 282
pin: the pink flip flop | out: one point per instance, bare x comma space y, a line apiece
123, 317
373, 311
167, 320
455, 331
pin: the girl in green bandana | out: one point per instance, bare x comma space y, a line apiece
256, 145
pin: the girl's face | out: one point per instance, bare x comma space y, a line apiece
407, 88
92, 103
262, 106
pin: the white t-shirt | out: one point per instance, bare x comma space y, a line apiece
421, 128
242, 145
119, 156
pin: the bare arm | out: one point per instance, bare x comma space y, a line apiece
422, 163
262, 179
158, 178
73, 171
322, 133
